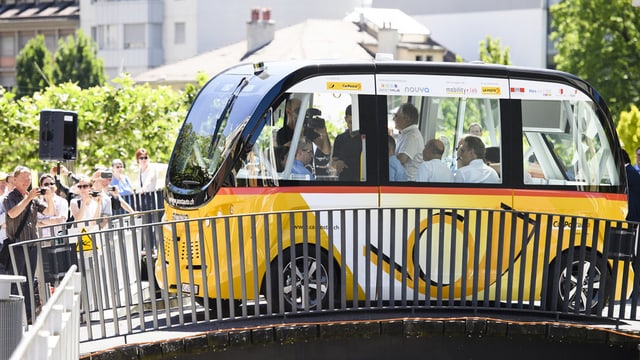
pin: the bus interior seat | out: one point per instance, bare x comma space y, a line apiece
492, 156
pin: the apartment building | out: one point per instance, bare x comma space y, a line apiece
22, 20
523, 25
137, 35
360, 35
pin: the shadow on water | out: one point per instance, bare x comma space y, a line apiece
436, 347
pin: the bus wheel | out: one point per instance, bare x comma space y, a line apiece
297, 276
579, 292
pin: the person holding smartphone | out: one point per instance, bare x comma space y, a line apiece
119, 179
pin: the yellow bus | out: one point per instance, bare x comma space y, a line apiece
312, 135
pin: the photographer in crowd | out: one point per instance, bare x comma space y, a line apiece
23, 205
61, 208
91, 205
101, 183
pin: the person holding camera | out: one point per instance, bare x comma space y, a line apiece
23, 205
61, 208
101, 183
90, 205
315, 130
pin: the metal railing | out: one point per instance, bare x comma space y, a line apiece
55, 334
304, 262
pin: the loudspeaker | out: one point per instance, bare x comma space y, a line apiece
58, 135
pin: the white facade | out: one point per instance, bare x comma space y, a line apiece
137, 35
522, 25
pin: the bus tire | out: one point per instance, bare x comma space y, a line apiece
577, 293
316, 272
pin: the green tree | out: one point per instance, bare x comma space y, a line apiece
491, 52
33, 67
600, 42
628, 129
76, 61
113, 122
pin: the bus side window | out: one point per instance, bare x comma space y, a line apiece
568, 144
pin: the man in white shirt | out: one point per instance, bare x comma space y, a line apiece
471, 166
432, 169
410, 142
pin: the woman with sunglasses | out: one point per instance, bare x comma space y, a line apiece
88, 206
147, 177
61, 206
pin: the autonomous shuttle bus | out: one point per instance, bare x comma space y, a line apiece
279, 137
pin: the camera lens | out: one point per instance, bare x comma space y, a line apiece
43, 191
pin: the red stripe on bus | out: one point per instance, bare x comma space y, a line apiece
300, 190
444, 190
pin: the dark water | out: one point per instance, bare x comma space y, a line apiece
437, 347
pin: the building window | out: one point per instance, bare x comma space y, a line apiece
180, 36
7, 44
106, 36
50, 40
134, 36
24, 37
424, 58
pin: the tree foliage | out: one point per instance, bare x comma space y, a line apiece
33, 67
600, 42
76, 61
628, 129
113, 122
491, 52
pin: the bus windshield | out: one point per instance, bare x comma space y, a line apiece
208, 133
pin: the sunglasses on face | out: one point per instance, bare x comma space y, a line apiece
143, 158
83, 186
48, 184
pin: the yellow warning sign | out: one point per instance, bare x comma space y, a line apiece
87, 241
342, 85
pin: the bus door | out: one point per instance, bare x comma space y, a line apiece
437, 112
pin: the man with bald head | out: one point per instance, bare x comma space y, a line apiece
432, 169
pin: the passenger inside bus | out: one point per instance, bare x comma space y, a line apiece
471, 166
347, 149
410, 141
396, 170
304, 157
433, 169
285, 133
534, 172
475, 129
280, 153
315, 130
